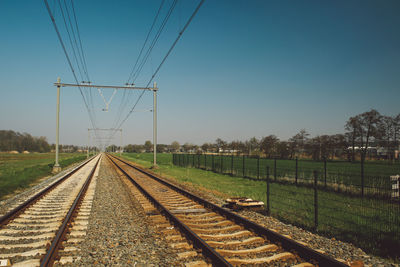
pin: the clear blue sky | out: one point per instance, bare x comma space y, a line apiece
242, 68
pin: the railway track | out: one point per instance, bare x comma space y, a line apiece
202, 232
35, 232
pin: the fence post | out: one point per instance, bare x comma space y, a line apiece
193, 165
232, 165
212, 162
297, 170
198, 161
275, 169
316, 200
325, 171
205, 161
268, 204
222, 163
258, 167
362, 175
243, 167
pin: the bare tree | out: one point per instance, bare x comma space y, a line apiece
369, 122
221, 144
252, 145
269, 145
298, 142
175, 146
353, 126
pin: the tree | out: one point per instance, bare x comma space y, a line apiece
252, 145
187, 147
298, 142
221, 144
353, 127
282, 150
369, 122
235, 146
269, 145
148, 146
175, 146
386, 132
206, 147
161, 148
396, 130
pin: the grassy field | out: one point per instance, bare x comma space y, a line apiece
339, 175
18, 171
371, 224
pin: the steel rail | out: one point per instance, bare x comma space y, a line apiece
51, 253
20, 208
288, 244
198, 242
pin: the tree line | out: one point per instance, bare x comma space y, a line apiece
367, 134
15, 141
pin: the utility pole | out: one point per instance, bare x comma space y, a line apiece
120, 148
88, 145
155, 124
56, 167
154, 89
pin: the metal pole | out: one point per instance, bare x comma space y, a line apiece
297, 170
120, 148
155, 124
57, 167
88, 138
316, 200
268, 203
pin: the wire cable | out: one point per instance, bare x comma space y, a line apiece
153, 43
145, 41
69, 62
163, 61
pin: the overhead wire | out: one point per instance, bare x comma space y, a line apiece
80, 40
69, 62
80, 52
163, 61
155, 39
147, 38
125, 98
149, 50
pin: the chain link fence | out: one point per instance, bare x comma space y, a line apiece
349, 201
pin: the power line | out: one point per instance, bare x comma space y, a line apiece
164, 59
69, 61
176, 41
147, 37
149, 50
153, 43
80, 41
124, 98
70, 39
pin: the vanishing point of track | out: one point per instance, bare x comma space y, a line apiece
221, 236
32, 233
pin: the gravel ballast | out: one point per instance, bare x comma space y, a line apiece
119, 232
337, 249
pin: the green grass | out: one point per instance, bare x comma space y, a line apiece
369, 223
340, 176
19, 171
